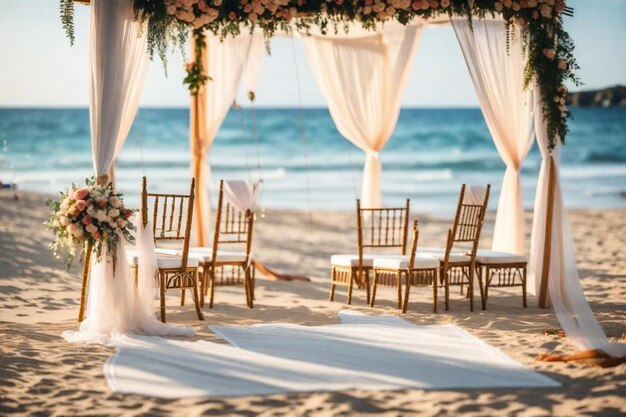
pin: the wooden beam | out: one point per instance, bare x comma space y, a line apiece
547, 243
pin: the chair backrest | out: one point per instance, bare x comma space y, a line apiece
232, 226
171, 216
382, 227
469, 218
414, 239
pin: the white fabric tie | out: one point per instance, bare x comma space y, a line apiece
243, 196
474, 195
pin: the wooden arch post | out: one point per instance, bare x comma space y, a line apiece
547, 243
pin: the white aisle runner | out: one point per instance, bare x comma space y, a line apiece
367, 352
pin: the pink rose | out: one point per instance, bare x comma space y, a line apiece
433, 4
81, 205
81, 193
232, 15
88, 202
96, 235
562, 64
87, 220
128, 213
101, 201
121, 223
549, 53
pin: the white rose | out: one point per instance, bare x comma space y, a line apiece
77, 231
64, 221
116, 202
114, 213
91, 228
101, 215
91, 211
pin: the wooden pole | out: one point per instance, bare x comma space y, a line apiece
83, 292
547, 243
196, 117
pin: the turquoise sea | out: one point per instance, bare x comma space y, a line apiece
432, 152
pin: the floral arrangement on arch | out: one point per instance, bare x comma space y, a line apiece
547, 45
94, 216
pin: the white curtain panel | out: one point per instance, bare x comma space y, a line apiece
565, 291
508, 110
224, 62
362, 80
119, 61
254, 63
118, 66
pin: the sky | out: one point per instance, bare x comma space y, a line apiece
39, 68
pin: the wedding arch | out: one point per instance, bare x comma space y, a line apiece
517, 52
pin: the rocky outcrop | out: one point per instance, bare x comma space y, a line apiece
607, 97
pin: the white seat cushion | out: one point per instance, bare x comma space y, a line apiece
165, 261
353, 260
455, 257
420, 262
205, 255
495, 257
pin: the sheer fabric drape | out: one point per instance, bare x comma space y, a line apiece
362, 80
242, 195
254, 63
565, 291
508, 110
118, 64
224, 62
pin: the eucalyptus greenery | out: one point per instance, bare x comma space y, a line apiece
547, 45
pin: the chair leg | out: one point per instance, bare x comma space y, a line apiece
399, 288
162, 288
333, 275
470, 287
374, 286
367, 285
486, 291
253, 280
248, 288
524, 288
212, 281
202, 281
406, 292
446, 283
196, 297
182, 296
350, 285
435, 279
480, 269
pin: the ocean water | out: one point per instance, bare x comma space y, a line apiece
432, 152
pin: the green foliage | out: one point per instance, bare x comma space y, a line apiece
67, 18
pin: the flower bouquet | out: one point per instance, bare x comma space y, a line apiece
90, 216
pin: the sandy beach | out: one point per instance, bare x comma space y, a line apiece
41, 374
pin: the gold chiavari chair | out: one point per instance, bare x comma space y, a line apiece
377, 228
416, 271
458, 267
171, 222
232, 227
